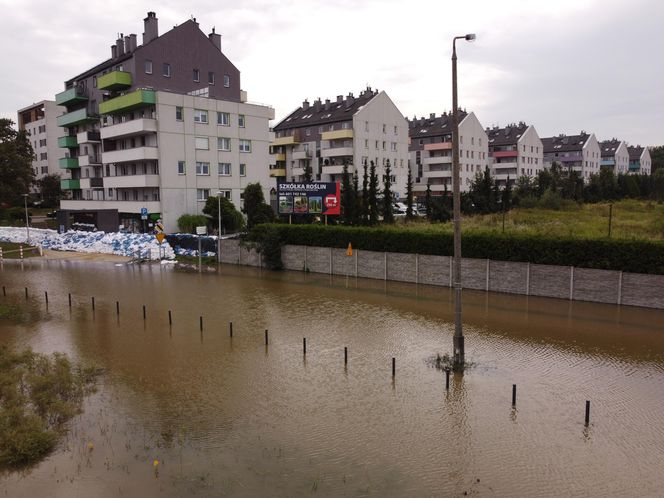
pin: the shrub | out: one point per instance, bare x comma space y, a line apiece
187, 223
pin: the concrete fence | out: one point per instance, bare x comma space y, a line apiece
563, 282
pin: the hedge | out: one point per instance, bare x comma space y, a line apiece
636, 256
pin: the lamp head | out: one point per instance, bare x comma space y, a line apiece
470, 37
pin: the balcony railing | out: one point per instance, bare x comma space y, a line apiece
128, 102
68, 142
78, 117
71, 96
70, 184
115, 80
68, 162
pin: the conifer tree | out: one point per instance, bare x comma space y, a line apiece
347, 201
373, 195
365, 194
409, 195
388, 208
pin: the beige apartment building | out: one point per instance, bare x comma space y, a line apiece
40, 122
515, 150
351, 130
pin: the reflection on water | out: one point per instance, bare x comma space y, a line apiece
230, 416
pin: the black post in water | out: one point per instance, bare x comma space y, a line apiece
93, 304
170, 318
144, 313
69, 295
26, 292
266, 337
513, 394
46, 296
447, 379
200, 323
345, 355
304, 345
587, 412
230, 328
117, 308
4, 291
394, 367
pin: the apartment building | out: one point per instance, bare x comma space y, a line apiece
515, 150
40, 122
580, 153
351, 130
158, 128
615, 156
431, 151
639, 160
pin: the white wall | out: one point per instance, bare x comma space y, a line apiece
531, 153
592, 156
473, 150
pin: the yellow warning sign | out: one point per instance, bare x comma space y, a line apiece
349, 251
160, 237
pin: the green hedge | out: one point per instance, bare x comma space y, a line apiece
636, 256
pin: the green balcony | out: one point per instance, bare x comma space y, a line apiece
70, 184
74, 118
67, 142
115, 80
128, 102
73, 95
68, 162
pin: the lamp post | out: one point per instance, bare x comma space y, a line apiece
458, 342
219, 194
27, 219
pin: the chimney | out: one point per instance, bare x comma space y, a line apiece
215, 39
340, 99
151, 28
432, 115
120, 44
132, 41
127, 44
327, 104
114, 51
349, 100
317, 104
305, 105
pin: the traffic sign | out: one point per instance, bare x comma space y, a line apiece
160, 237
201, 230
144, 213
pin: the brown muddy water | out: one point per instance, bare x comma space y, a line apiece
232, 417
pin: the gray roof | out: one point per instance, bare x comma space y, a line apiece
608, 148
635, 153
433, 126
565, 143
341, 109
508, 135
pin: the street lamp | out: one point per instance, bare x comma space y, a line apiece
458, 342
27, 219
219, 194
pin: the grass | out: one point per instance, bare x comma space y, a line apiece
631, 219
39, 394
13, 246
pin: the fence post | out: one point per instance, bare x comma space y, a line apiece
620, 279
305, 258
330, 261
417, 268
487, 274
385, 265
450, 272
356, 256
528, 279
571, 283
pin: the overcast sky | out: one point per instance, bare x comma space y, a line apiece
564, 66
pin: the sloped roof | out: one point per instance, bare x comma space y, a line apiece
635, 152
509, 135
565, 143
433, 126
608, 148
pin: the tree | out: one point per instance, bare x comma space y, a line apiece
506, 196
255, 208
231, 219
483, 192
347, 200
427, 201
388, 208
308, 173
658, 185
608, 185
572, 186
525, 189
657, 158
365, 194
50, 190
356, 199
409, 195
373, 195
16, 156
187, 223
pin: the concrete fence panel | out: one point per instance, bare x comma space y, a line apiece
508, 276
318, 259
249, 257
401, 267
599, 286
473, 273
550, 281
230, 251
292, 257
371, 264
342, 264
434, 270
643, 290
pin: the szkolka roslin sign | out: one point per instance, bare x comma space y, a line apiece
317, 198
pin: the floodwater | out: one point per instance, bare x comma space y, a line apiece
180, 412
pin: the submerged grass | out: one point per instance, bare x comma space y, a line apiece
38, 395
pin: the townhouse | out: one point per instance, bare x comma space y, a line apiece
640, 162
157, 128
615, 156
514, 151
580, 153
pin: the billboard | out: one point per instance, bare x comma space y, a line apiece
318, 198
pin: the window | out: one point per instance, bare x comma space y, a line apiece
376, 144
223, 119
179, 113
383, 145
147, 66
197, 75
245, 145
200, 116
225, 193
224, 169
202, 194
227, 81
202, 169
396, 132
43, 156
366, 143
243, 169
166, 70
393, 147
211, 78
241, 121
110, 192
384, 128
320, 129
345, 125
224, 143
331, 127
181, 168
202, 143
94, 82
366, 126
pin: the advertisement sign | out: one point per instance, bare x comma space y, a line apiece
319, 198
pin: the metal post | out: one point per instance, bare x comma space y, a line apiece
458, 342
230, 326
117, 308
304, 345
200, 260
200, 323
27, 219
345, 355
170, 318
69, 296
266, 341
144, 313
46, 296
447, 379
587, 412
513, 394
26, 293
610, 217
219, 233
93, 303
394, 367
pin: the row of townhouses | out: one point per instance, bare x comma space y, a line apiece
158, 127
